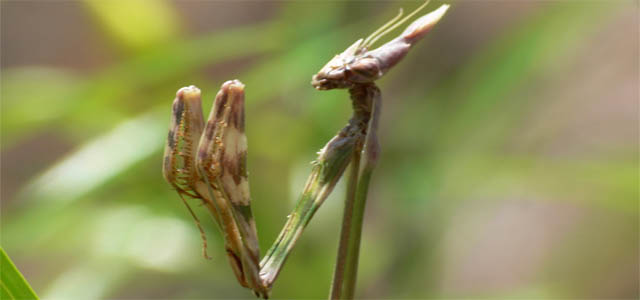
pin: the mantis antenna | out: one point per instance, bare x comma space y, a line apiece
369, 41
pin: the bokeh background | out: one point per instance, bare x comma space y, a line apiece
509, 136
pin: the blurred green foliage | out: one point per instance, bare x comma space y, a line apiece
509, 136
12, 283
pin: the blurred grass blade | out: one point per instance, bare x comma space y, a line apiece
101, 159
28, 87
522, 54
13, 284
107, 91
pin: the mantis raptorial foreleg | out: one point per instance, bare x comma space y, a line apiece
208, 162
215, 171
328, 168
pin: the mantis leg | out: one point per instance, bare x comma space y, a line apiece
328, 168
221, 162
209, 163
348, 249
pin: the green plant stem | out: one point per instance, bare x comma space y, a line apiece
353, 247
352, 184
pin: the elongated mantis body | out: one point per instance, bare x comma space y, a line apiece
207, 161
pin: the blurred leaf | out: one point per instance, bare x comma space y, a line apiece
100, 159
514, 59
110, 91
553, 179
136, 24
490, 102
14, 286
26, 92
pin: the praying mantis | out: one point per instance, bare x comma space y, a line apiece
207, 161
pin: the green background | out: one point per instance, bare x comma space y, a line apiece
509, 139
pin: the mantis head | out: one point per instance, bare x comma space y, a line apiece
346, 69
359, 65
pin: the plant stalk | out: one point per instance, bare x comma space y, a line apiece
345, 232
353, 246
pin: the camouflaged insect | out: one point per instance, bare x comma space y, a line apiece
222, 163
209, 161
